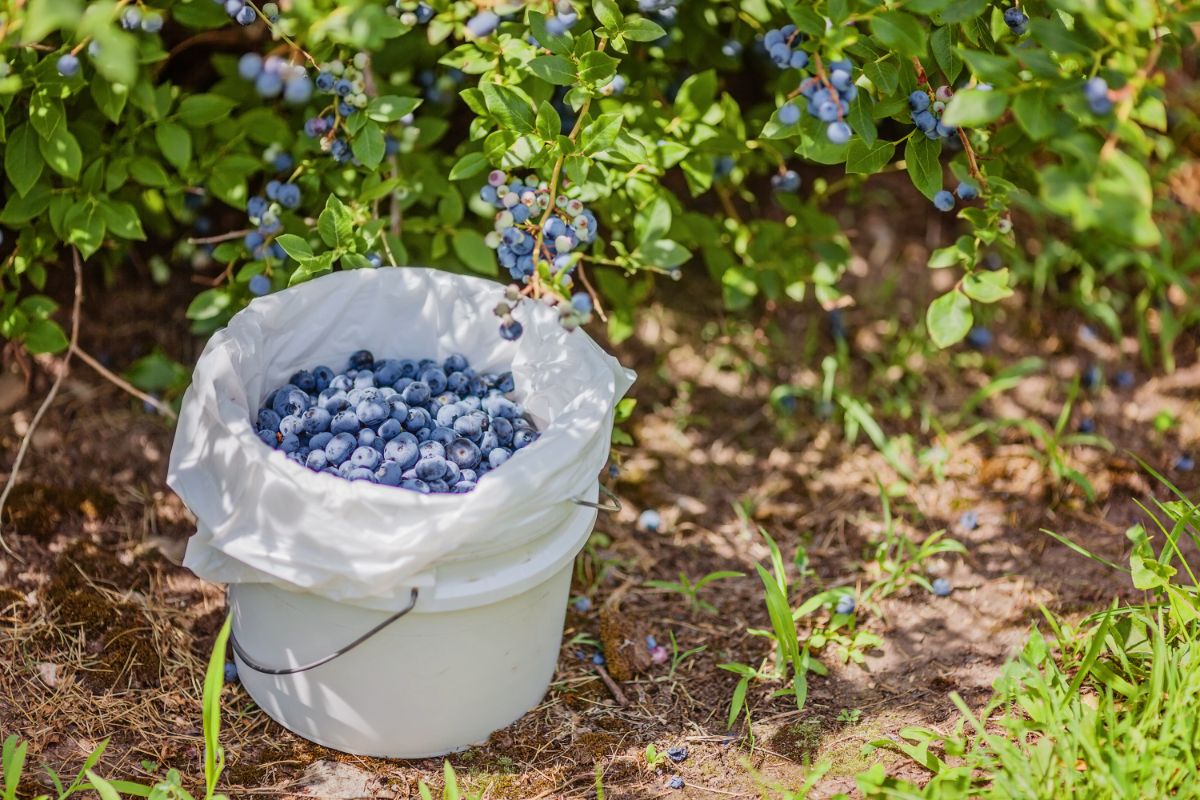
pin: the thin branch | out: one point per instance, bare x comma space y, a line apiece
37, 417
592, 291
220, 237
122, 384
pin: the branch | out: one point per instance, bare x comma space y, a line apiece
37, 417
124, 385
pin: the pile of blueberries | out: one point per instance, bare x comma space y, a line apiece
419, 425
273, 76
828, 93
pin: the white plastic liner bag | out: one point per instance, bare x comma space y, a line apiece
265, 519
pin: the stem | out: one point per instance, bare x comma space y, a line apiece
592, 292
220, 237
972, 163
122, 384
1126, 107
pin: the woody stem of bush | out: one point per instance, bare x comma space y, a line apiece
63, 369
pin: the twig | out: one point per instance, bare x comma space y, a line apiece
972, 164
591, 291
37, 417
613, 688
1126, 107
122, 384
220, 237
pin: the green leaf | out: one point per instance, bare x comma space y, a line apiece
22, 159
560, 44
391, 108
973, 108
867, 159
884, 74
311, 268
642, 30
986, 286
85, 228
45, 336
473, 251
899, 31
335, 225
949, 318
122, 220
921, 158
45, 113
553, 69
368, 145
548, 123
664, 253
46, 16
600, 133
608, 14
506, 105
175, 142
1034, 111
62, 153
696, 95
198, 110
597, 67
102, 787
468, 166
295, 246
110, 98
942, 45
149, 172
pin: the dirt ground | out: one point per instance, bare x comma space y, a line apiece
103, 635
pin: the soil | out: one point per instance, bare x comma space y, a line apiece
103, 635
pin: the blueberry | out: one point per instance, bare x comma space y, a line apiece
68, 65
340, 447
293, 402
435, 379
364, 456
1096, 92
1092, 377
362, 474
415, 485
389, 473
231, 672
1015, 19
390, 429
598, 659
246, 16
269, 438
267, 420
839, 132
918, 101
418, 420
511, 330
503, 429
402, 450
289, 444
969, 521
416, 393
431, 469
1185, 463
789, 114
131, 18
430, 449
333, 400
325, 82
399, 408
345, 422
649, 520
482, 24
372, 412
845, 604
259, 285
152, 23
318, 440
942, 587
464, 453
979, 337
343, 87
316, 420
268, 84
1087, 425
943, 201
362, 359
676, 754
966, 191
298, 91
317, 460
498, 456
250, 66
675, 782
1123, 379
582, 604
289, 195
523, 437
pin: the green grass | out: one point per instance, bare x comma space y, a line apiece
1104, 710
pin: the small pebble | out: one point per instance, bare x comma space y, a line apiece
649, 520
969, 521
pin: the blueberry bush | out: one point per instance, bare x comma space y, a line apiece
586, 151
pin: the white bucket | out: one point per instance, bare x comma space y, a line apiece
477, 651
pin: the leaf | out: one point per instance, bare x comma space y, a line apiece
553, 69
110, 98
122, 220
149, 172
510, 108
608, 14
942, 45
335, 224
1034, 111
45, 113
600, 133
949, 318
369, 146
696, 94
198, 110
921, 158
642, 30
865, 159
664, 253
22, 159
102, 787
85, 228
548, 123
987, 286
884, 74
45, 336
391, 108
62, 153
972, 108
295, 246
312, 267
560, 43
175, 142
597, 67
899, 31
654, 221
473, 251
468, 166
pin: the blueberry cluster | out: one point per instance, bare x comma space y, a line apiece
828, 99
1097, 94
665, 9
419, 425
1016, 20
927, 113
412, 13
780, 45
521, 208
273, 76
944, 200
346, 83
132, 19
565, 17
241, 12
264, 213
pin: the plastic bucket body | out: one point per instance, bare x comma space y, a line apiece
477, 651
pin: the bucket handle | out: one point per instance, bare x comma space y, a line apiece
612, 507
258, 666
